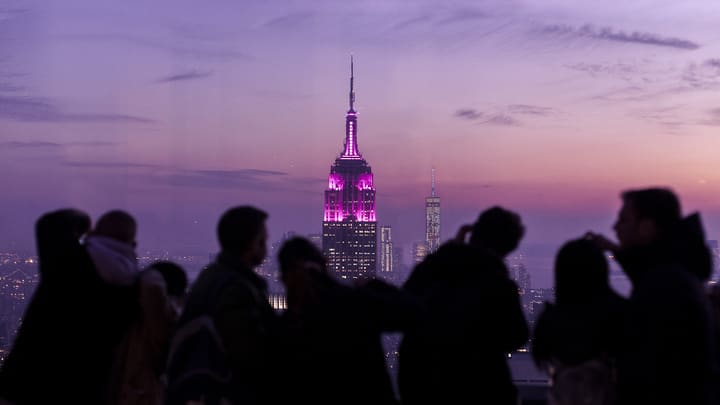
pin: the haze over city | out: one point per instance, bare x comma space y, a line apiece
176, 110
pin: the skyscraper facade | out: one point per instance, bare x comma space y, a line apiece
420, 251
349, 226
386, 250
432, 218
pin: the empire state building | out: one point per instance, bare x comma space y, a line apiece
349, 226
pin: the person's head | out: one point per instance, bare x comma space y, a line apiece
242, 233
497, 230
299, 254
176, 280
646, 216
581, 272
118, 225
59, 230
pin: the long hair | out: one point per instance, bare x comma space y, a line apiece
581, 272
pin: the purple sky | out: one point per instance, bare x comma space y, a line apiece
176, 110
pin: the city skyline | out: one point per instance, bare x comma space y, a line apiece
176, 111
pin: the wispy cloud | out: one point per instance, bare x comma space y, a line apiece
705, 76
241, 173
110, 165
291, 20
597, 69
463, 15
50, 145
252, 179
713, 63
203, 51
10, 87
30, 145
191, 75
713, 118
33, 109
411, 22
503, 115
469, 114
529, 109
501, 119
610, 34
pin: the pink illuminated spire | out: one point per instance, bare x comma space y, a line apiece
352, 80
351, 147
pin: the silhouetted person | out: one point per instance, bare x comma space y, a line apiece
669, 353
140, 360
582, 331
112, 248
236, 299
332, 332
459, 354
64, 349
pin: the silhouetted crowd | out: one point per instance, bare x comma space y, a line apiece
101, 330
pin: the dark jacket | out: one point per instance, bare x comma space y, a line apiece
459, 353
74, 322
333, 352
244, 320
669, 353
571, 334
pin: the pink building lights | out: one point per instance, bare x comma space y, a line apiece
349, 220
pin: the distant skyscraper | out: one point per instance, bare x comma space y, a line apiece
715, 250
316, 239
349, 227
420, 251
519, 273
386, 250
432, 218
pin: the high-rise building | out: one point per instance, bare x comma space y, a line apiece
349, 224
432, 218
420, 251
316, 239
386, 251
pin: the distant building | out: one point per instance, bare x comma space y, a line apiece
316, 239
519, 273
349, 239
420, 251
432, 218
715, 250
386, 251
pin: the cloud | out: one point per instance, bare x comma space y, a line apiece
109, 165
609, 34
713, 119
529, 109
191, 75
34, 109
412, 22
10, 88
35, 145
206, 51
241, 173
30, 145
251, 179
596, 69
291, 20
712, 63
503, 115
703, 76
469, 114
460, 16
502, 119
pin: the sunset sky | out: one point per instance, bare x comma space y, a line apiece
176, 110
